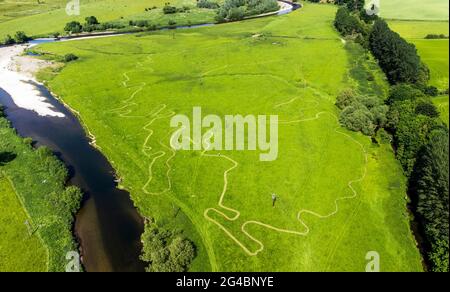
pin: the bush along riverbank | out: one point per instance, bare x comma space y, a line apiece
39, 179
409, 120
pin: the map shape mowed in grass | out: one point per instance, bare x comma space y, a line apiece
338, 195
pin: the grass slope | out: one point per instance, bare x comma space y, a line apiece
19, 251
292, 66
53, 20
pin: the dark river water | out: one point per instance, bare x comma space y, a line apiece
107, 226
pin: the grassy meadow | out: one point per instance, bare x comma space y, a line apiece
414, 9
20, 251
349, 192
50, 19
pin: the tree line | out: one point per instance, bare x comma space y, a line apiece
408, 119
39, 180
19, 38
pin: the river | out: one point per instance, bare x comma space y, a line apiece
108, 226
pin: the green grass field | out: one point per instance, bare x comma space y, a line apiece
349, 193
50, 19
19, 251
418, 29
433, 52
414, 9
442, 103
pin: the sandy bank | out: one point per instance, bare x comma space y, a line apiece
16, 78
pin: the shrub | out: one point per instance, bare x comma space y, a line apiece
402, 92
169, 9
9, 40
20, 37
436, 36
346, 98
357, 118
207, 4
431, 91
91, 20
73, 27
70, 57
166, 250
361, 113
347, 24
236, 13
427, 109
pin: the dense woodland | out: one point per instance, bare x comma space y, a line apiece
410, 120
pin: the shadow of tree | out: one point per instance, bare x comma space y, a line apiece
6, 157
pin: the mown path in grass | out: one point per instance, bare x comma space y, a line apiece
245, 68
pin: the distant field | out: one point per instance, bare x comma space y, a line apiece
19, 251
419, 29
442, 104
433, 52
50, 19
350, 193
414, 9
10, 9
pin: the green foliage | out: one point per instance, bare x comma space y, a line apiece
397, 58
207, 4
410, 130
70, 57
91, 20
402, 92
431, 91
20, 37
169, 9
431, 185
427, 109
348, 24
233, 10
346, 98
436, 36
9, 40
352, 5
361, 113
39, 180
166, 250
439, 256
358, 118
73, 27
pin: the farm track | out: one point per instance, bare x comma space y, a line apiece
161, 112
